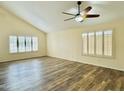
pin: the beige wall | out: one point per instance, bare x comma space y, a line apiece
67, 44
11, 25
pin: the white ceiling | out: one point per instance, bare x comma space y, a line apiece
47, 15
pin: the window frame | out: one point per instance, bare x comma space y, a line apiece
10, 44
30, 44
95, 55
102, 43
82, 44
36, 38
20, 51
17, 44
94, 50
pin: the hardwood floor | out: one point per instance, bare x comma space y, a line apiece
49, 73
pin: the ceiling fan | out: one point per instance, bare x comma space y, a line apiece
81, 15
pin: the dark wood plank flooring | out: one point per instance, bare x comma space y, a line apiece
48, 73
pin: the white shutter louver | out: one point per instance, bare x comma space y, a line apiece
99, 43
13, 44
108, 43
91, 43
84, 36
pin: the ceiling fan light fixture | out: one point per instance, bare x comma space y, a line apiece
82, 13
79, 18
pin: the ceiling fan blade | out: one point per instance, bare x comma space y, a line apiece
92, 15
69, 19
87, 9
68, 13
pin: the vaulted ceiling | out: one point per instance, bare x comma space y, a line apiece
47, 15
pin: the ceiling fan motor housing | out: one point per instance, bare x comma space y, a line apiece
79, 2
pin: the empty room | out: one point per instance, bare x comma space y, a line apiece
61, 46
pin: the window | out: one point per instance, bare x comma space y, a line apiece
21, 41
108, 43
13, 44
84, 36
97, 43
91, 43
34, 43
19, 44
28, 44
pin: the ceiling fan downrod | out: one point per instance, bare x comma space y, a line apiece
79, 3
